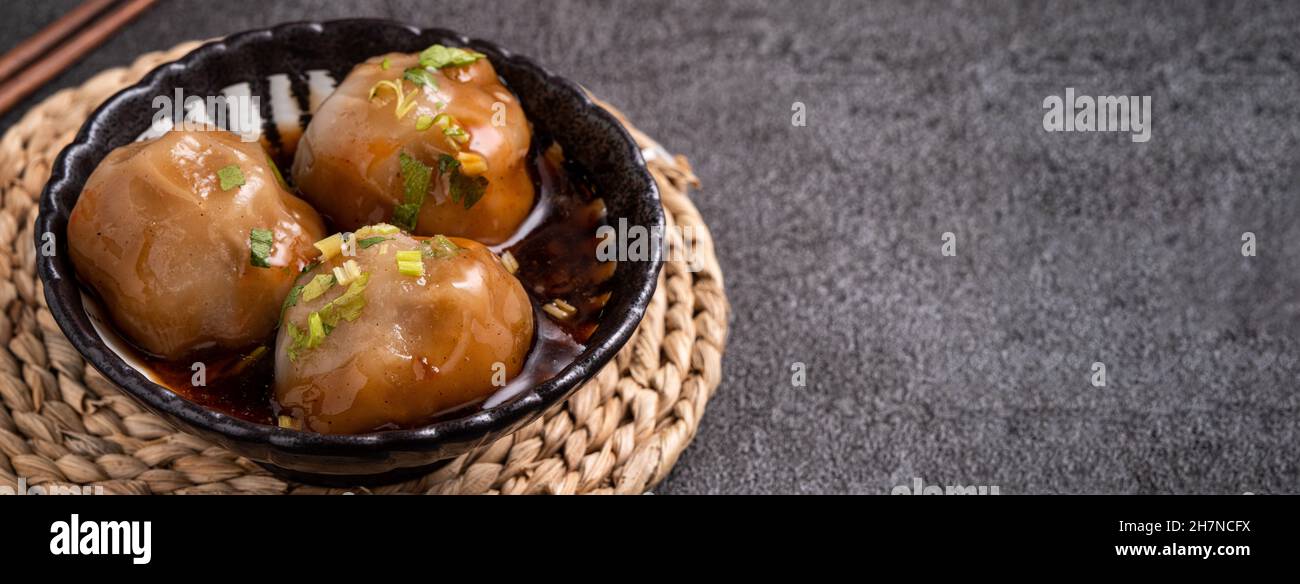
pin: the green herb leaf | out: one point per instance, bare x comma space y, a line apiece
405, 215
420, 76
369, 241
290, 300
416, 176
467, 190
231, 177
446, 164
438, 56
260, 242
385, 64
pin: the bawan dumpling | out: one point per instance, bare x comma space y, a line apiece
191, 240
431, 142
401, 330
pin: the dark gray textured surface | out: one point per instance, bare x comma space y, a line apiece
925, 118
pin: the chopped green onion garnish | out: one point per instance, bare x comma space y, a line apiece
440, 247
377, 229
471, 163
299, 341
318, 285
439, 56
423, 123
348, 305
330, 246
385, 64
276, 171
250, 358
387, 83
259, 244
369, 241
405, 101
415, 269
559, 309
347, 272
315, 330
410, 262
508, 260
457, 133
230, 177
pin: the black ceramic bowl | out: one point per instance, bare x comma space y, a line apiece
300, 59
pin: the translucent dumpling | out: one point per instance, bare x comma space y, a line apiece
430, 142
397, 333
191, 241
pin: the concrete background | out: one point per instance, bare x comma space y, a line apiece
925, 118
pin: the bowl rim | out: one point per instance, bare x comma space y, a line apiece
63, 292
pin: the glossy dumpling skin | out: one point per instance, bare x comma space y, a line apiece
418, 346
167, 250
347, 162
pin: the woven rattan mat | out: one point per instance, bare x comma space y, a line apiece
63, 424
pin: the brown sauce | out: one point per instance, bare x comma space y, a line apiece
556, 252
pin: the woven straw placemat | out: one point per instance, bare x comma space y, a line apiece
63, 424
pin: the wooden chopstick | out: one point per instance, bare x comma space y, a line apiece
31, 77
28, 50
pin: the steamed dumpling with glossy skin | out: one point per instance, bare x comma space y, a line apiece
168, 251
348, 162
416, 346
